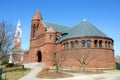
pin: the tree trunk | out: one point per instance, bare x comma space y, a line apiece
83, 67
57, 68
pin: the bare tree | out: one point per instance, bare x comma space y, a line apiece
58, 59
6, 38
84, 57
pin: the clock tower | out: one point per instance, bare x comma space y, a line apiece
18, 35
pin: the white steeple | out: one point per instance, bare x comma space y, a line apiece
18, 32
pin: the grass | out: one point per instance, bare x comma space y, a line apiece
13, 73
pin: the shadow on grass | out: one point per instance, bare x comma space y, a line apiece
13, 69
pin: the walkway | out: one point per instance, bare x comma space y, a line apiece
37, 67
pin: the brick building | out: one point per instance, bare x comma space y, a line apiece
48, 39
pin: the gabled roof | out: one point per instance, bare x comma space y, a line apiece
57, 27
84, 29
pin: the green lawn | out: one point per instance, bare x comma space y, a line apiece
14, 73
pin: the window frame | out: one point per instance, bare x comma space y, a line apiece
88, 43
83, 43
72, 44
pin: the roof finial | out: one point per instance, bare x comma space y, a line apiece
84, 19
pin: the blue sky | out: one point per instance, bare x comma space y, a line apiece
104, 14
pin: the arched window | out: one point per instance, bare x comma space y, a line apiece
66, 45
76, 44
96, 43
51, 37
88, 43
83, 43
72, 44
106, 45
34, 31
109, 44
100, 44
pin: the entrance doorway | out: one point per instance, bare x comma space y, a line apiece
39, 56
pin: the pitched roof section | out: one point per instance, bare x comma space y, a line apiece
50, 30
84, 29
37, 15
57, 27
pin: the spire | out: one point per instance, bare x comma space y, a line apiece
37, 15
18, 35
18, 32
18, 24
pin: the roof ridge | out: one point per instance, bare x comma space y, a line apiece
56, 24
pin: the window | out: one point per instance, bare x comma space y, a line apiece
76, 44
50, 37
96, 43
88, 43
83, 43
100, 44
18, 34
109, 44
66, 45
106, 44
34, 31
72, 44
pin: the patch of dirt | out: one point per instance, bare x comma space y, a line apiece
85, 72
52, 74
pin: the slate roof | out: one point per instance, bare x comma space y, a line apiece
57, 27
84, 29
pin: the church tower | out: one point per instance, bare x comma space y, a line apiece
18, 35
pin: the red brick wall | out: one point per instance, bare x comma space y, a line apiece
47, 47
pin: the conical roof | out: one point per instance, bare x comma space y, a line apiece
84, 29
37, 15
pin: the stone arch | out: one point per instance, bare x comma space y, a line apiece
39, 56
